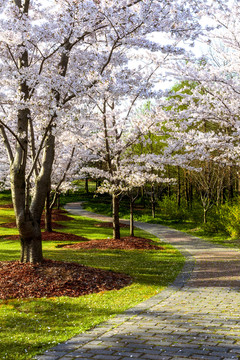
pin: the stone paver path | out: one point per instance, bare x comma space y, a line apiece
197, 317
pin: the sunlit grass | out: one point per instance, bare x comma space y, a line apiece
33, 325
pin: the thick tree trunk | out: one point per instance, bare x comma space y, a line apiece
31, 242
48, 214
131, 218
28, 218
116, 223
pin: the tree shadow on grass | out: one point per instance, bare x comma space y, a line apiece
30, 325
146, 267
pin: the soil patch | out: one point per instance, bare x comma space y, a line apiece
55, 278
125, 243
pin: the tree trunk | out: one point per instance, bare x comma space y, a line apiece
131, 217
230, 186
48, 214
153, 202
205, 216
186, 186
143, 196
179, 188
28, 218
31, 242
86, 186
116, 224
191, 194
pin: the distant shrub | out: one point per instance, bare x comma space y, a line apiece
168, 207
229, 215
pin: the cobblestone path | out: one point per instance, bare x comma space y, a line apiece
197, 317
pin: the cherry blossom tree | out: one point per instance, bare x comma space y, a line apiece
52, 54
110, 141
208, 122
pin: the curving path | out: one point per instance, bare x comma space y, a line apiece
197, 317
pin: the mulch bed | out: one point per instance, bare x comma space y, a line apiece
125, 243
55, 278
53, 236
109, 225
6, 206
57, 215
13, 225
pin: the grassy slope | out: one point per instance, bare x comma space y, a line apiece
32, 325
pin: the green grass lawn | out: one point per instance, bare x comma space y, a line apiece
30, 326
5, 197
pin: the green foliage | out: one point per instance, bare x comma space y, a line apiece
168, 206
230, 218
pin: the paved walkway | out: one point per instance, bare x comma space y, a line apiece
197, 317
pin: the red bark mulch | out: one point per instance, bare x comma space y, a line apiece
13, 225
109, 225
55, 278
53, 236
6, 206
9, 225
125, 243
57, 215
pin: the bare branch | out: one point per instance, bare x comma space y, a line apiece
40, 148
11, 54
13, 134
7, 144
63, 178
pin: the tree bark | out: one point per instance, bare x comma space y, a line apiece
179, 188
204, 216
116, 223
48, 214
153, 201
131, 217
86, 186
28, 218
143, 196
31, 242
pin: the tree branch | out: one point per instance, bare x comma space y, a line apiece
7, 144
63, 178
13, 134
